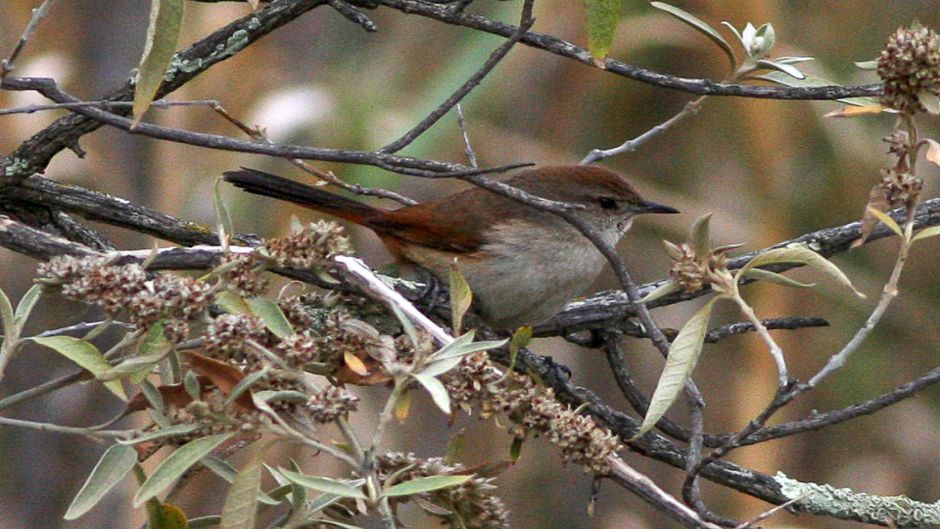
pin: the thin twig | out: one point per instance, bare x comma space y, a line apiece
468, 148
30, 109
39, 13
471, 83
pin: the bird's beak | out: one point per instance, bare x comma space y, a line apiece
652, 207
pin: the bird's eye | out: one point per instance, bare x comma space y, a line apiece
607, 202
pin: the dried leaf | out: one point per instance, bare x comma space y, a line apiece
933, 154
355, 365
855, 111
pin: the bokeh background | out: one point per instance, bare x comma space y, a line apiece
769, 170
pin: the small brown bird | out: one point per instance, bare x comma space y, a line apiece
523, 264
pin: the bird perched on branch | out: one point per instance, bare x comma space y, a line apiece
522, 263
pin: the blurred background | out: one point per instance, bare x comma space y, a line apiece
769, 170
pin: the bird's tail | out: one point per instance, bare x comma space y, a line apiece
269, 185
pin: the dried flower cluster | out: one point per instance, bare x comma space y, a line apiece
909, 65
147, 298
470, 505
242, 274
533, 409
308, 246
694, 272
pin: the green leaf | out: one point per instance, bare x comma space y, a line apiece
166, 516
166, 20
701, 26
449, 356
204, 521
226, 471
26, 304
925, 233
867, 65
422, 485
176, 464
460, 298
271, 314
241, 502
7, 317
232, 303
699, 237
244, 384
520, 339
886, 219
85, 355
437, 390
782, 67
602, 19
774, 277
169, 431
345, 489
222, 217
137, 368
801, 255
114, 464
683, 355
661, 291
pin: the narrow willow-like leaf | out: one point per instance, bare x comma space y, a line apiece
169, 431
602, 19
403, 405
867, 65
774, 277
26, 304
925, 233
241, 502
810, 82
683, 355
114, 464
85, 355
886, 219
460, 298
273, 317
520, 339
232, 303
222, 217
661, 291
337, 524
426, 484
700, 237
166, 20
702, 27
802, 255
437, 390
176, 464
328, 485
788, 69
244, 384
7, 316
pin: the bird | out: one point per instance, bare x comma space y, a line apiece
522, 264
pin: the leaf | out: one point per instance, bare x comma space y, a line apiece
422, 485
930, 101
520, 339
7, 317
26, 304
774, 277
271, 314
702, 27
337, 524
222, 217
176, 464
403, 406
460, 297
114, 464
245, 384
602, 19
855, 111
925, 233
354, 364
933, 154
167, 516
790, 70
166, 19
699, 238
437, 390
661, 291
802, 255
455, 447
232, 303
867, 65
886, 219
345, 489
683, 355
240, 507
204, 521
793, 60
85, 355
